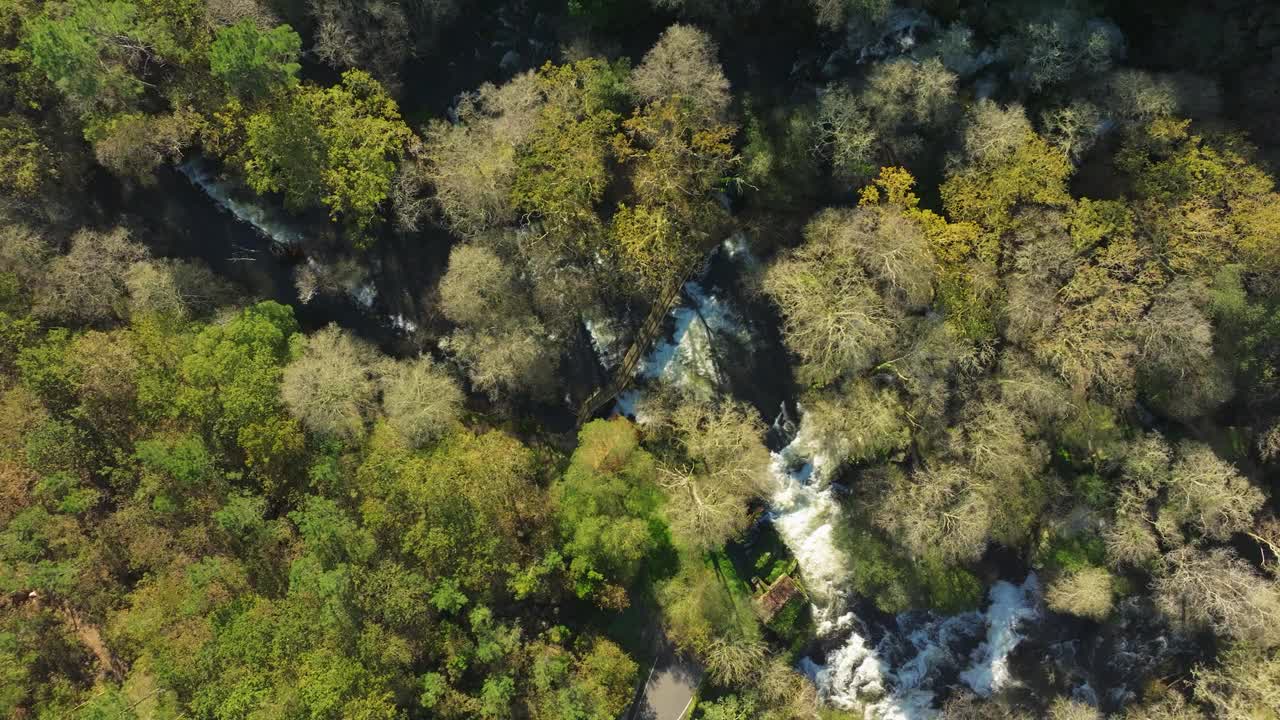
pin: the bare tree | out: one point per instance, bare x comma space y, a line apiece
722, 464
683, 64
1067, 709
516, 358
472, 164
223, 13
503, 345
372, 35
834, 318
1061, 44
844, 135
1131, 540
1086, 592
992, 132
1216, 590
857, 422
344, 276
1244, 684
1135, 96
410, 200
133, 146
993, 438
479, 287
735, 661
178, 288
108, 368
1175, 341
23, 253
1168, 705
892, 247
1269, 443
88, 283
421, 399
943, 510
331, 387
1027, 388
905, 96
1073, 128
1210, 495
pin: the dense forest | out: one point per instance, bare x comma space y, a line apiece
600, 359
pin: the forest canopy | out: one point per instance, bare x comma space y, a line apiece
423, 359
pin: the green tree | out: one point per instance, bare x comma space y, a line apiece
562, 167
335, 147
606, 506
990, 187
27, 165
93, 52
254, 62
231, 387
595, 685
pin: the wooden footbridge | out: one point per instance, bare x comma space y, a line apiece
649, 331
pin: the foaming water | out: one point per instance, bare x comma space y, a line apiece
919, 655
1011, 606
686, 359
806, 513
266, 220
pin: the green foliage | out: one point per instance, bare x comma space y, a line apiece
173, 543
335, 147
896, 583
729, 707
1247, 330
27, 165
989, 192
45, 369
701, 605
562, 168
254, 62
458, 509
777, 158
231, 387
606, 506
1068, 554
42, 551
651, 246
90, 51
1093, 221
65, 493
1093, 436
1091, 489
594, 685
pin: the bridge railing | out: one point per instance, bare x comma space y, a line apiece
649, 332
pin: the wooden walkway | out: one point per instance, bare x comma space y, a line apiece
649, 332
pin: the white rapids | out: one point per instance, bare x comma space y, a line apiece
266, 220
898, 676
894, 678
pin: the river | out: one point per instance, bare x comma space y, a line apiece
903, 667
720, 340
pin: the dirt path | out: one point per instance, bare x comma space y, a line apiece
91, 637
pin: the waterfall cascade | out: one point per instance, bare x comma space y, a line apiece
921, 653
896, 678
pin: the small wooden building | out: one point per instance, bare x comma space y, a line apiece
776, 596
